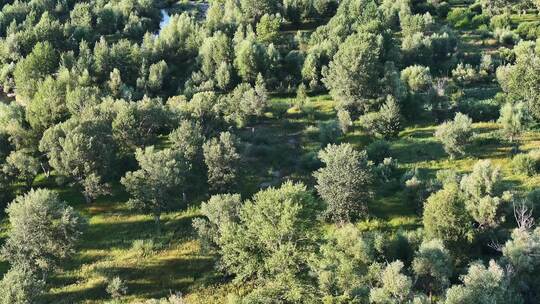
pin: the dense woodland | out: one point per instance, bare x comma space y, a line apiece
265, 151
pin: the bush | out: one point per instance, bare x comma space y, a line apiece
329, 132
455, 135
528, 30
142, 248
460, 17
443, 9
480, 110
378, 150
524, 164
116, 288
501, 22
480, 20
506, 37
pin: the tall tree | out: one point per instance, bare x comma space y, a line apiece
159, 183
344, 183
222, 160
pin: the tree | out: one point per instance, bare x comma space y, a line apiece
44, 231
220, 210
42, 61
250, 59
521, 252
48, 106
395, 287
344, 183
301, 97
446, 218
417, 78
254, 9
23, 165
222, 160
272, 237
20, 286
159, 183
483, 286
188, 139
521, 81
268, 29
137, 124
343, 263
432, 266
354, 71
513, 119
81, 150
386, 122
455, 135
482, 191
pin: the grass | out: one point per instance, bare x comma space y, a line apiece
277, 147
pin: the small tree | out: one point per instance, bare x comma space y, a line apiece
159, 183
455, 135
432, 266
301, 97
395, 287
344, 183
20, 286
222, 160
387, 122
446, 218
23, 165
345, 121
513, 119
44, 231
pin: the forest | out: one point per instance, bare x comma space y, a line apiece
270, 151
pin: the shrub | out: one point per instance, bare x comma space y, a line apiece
460, 17
524, 164
501, 22
142, 248
116, 288
455, 135
443, 9
479, 20
465, 74
506, 37
378, 150
329, 132
528, 30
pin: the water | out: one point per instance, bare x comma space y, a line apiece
165, 19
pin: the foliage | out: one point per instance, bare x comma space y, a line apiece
44, 231
20, 286
222, 160
455, 135
344, 182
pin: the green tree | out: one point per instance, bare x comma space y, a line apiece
446, 218
521, 81
273, 235
81, 150
386, 122
301, 97
188, 139
44, 231
137, 124
268, 29
42, 61
159, 183
20, 286
513, 119
395, 287
250, 59
222, 161
417, 78
432, 266
455, 135
354, 71
48, 106
22, 165
344, 183
483, 285
254, 9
